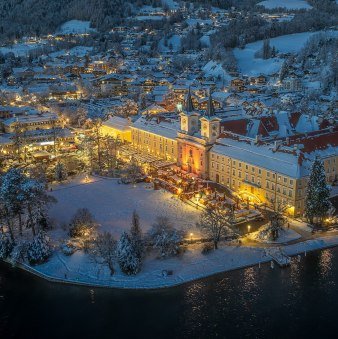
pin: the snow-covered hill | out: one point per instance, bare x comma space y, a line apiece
249, 65
288, 4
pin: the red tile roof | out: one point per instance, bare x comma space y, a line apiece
267, 125
235, 126
317, 140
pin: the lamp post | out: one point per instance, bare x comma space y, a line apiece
249, 227
191, 235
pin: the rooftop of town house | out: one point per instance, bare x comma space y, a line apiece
30, 118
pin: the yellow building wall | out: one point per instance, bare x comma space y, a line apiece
158, 145
256, 182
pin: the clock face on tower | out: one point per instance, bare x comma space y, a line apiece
214, 127
204, 126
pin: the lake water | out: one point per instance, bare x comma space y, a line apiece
295, 302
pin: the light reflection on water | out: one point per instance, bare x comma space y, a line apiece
294, 302
325, 263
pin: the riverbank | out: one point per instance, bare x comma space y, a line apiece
78, 270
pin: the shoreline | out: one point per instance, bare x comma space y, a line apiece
303, 247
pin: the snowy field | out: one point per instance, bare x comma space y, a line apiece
249, 65
288, 4
75, 27
112, 205
191, 266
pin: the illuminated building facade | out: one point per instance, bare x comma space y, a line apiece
272, 172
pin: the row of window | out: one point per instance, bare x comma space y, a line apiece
271, 175
149, 136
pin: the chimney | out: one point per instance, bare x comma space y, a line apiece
276, 145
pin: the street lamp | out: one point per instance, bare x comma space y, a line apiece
191, 235
249, 228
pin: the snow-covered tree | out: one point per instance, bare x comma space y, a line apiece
165, 237
60, 173
317, 202
12, 199
82, 223
132, 172
39, 249
266, 52
136, 236
214, 223
127, 256
103, 250
36, 201
284, 70
19, 252
6, 245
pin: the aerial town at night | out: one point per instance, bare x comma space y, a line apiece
150, 147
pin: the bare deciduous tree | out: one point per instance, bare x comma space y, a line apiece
214, 223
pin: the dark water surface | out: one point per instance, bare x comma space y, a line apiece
296, 302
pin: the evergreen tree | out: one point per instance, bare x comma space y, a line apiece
6, 246
39, 249
136, 236
36, 201
126, 255
266, 49
12, 199
82, 223
317, 203
60, 172
19, 252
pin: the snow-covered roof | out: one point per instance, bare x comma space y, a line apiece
260, 155
121, 124
165, 127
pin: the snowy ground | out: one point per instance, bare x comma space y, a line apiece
288, 4
174, 42
76, 27
192, 265
286, 235
21, 49
249, 65
215, 69
112, 205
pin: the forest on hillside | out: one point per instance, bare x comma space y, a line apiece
36, 17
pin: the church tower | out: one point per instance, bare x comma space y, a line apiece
210, 123
189, 117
